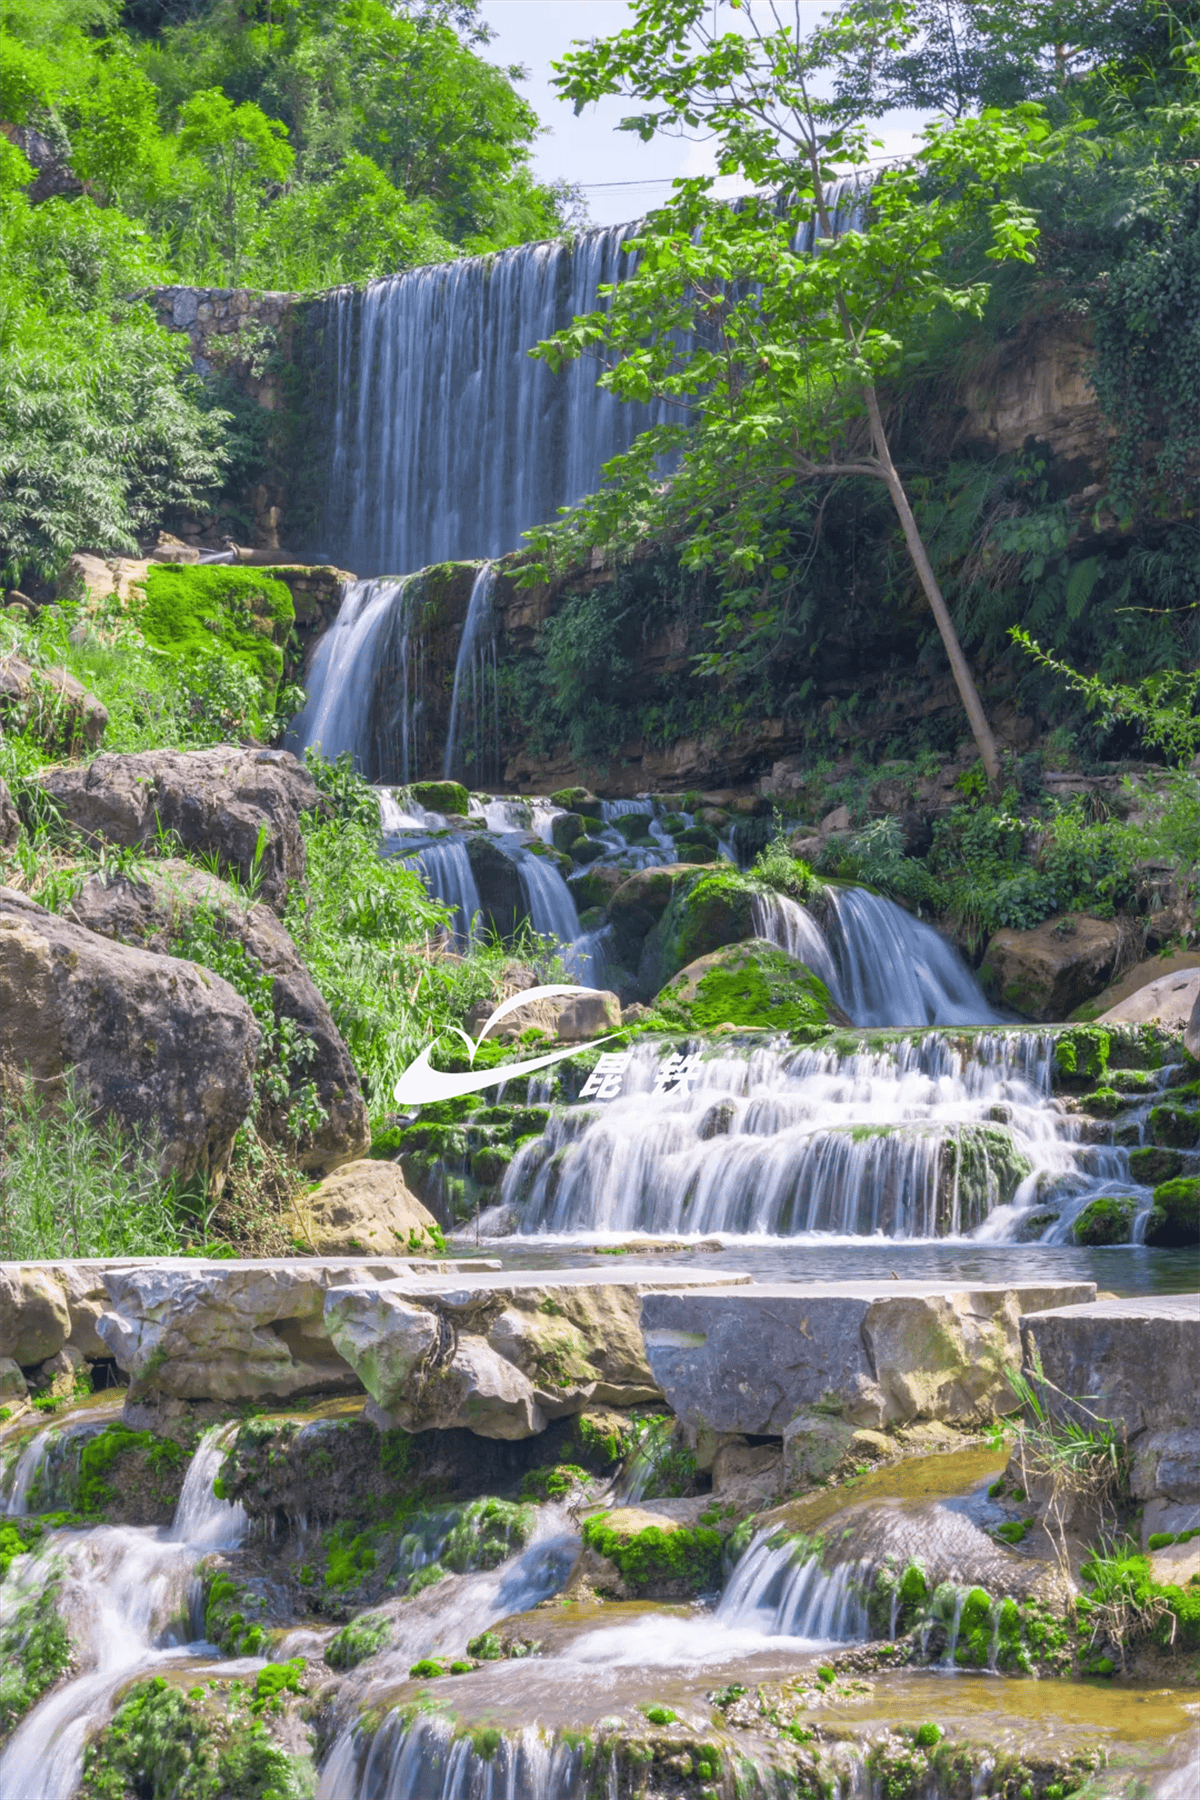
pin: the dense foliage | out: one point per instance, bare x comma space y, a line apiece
222, 142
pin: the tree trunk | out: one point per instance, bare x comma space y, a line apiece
964, 681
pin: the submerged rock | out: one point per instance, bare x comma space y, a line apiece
153, 906
166, 1047
240, 805
1108, 1220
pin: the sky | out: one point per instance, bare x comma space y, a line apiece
620, 175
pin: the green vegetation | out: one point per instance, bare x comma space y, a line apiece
73, 1184
750, 984
1174, 1217
1107, 1221
94, 1491
688, 1560
1126, 1605
236, 619
163, 1744
358, 1640
227, 1601
35, 1650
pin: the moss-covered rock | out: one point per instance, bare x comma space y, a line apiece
1174, 1218
1175, 1127
654, 1557
1150, 1164
750, 984
979, 1169
704, 914
448, 797
35, 1651
164, 1744
1108, 1220
353, 1644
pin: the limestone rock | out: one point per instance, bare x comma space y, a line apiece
363, 1207
500, 1359
1170, 1001
55, 1379
13, 1386
34, 1318
751, 1360
816, 1447
10, 818
222, 801
51, 704
588, 1016
191, 1330
87, 1298
1049, 971
146, 909
167, 1047
639, 902
1191, 1031
1103, 1351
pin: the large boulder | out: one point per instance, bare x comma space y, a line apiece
150, 908
750, 983
165, 1046
752, 1359
637, 903
1049, 971
240, 805
35, 1320
364, 1208
1191, 1031
1169, 1000
703, 915
52, 705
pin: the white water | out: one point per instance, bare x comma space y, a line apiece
783, 1142
342, 679
775, 1592
475, 665
447, 439
125, 1601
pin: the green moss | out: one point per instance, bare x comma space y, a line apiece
751, 984
358, 1640
705, 915
1082, 1052
688, 1559
238, 615
93, 1492
486, 1647
1176, 1127
1174, 1218
1149, 1165
35, 1652
1105, 1103
1013, 1530
162, 1744
1106, 1221
227, 1601
486, 1534
448, 797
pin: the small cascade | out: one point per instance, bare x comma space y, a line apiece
475, 668
337, 715
28, 1467
124, 1594
896, 970
423, 1759
445, 868
924, 1139
551, 909
781, 921
781, 1593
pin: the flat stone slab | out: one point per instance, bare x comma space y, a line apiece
1136, 1363
877, 1352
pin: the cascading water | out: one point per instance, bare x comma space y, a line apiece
124, 1594
922, 1140
475, 666
336, 717
448, 440
780, 1592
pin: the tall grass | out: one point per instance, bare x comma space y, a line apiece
72, 1183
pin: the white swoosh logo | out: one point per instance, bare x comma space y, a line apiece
421, 1085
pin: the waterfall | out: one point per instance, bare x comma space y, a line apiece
476, 650
896, 970
924, 1139
445, 868
791, 927
29, 1465
337, 713
782, 1593
448, 441
423, 1759
123, 1588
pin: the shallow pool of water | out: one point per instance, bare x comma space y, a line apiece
1127, 1269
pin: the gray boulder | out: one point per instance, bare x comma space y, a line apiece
165, 1046
34, 1317
225, 802
145, 909
1171, 1000
1047, 972
501, 894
